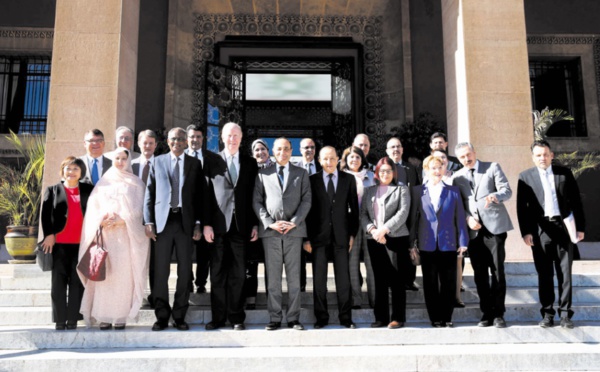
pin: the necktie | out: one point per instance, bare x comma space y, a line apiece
309, 168
95, 177
401, 174
232, 171
472, 178
330, 187
145, 172
175, 185
281, 176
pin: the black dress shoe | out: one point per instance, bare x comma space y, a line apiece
437, 324
250, 306
211, 326
71, 325
239, 327
448, 324
348, 324
201, 290
566, 322
459, 304
119, 326
378, 324
356, 307
547, 322
499, 322
159, 326
485, 323
273, 326
295, 325
321, 324
411, 287
105, 326
181, 325
60, 326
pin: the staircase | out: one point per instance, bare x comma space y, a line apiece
28, 340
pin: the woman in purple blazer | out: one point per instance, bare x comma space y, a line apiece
439, 229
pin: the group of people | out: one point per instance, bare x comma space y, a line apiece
233, 210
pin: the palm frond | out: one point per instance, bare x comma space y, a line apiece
578, 163
542, 121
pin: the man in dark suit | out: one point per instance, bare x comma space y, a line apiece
331, 226
308, 149
362, 142
229, 223
547, 200
96, 163
439, 141
141, 168
195, 140
484, 189
407, 176
172, 209
282, 200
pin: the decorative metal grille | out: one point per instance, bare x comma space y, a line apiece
24, 89
365, 30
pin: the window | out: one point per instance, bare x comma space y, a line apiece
24, 88
557, 84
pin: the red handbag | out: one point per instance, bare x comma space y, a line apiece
93, 263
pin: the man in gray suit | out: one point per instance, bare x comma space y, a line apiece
282, 228
484, 189
96, 163
172, 209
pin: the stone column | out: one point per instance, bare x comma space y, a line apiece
487, 89
94, 72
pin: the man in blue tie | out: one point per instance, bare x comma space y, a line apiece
96, 163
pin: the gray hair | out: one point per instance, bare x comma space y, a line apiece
231, 125
464, 144
146, 133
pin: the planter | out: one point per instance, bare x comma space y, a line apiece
21, 242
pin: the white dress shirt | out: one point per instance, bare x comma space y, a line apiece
551, 208
435, 193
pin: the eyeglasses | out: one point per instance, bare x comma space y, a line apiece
94, 142
386, 171
177, 139
308, 148
125, 139
395, 147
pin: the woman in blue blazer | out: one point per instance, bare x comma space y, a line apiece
439, 229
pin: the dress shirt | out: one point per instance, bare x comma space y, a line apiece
435, 192
198, 155
181, 165
236, 159
90, 163
143, 164
334, 179
313, 168
551, 208
286, 173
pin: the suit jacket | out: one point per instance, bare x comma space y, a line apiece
453, 163
208, 158
158, 193
411, 174
397, 207
445, 229
223, 197
530, 199
136, 163
55, 208
489, 179
270, 203
339, 217
106, 164
318, 166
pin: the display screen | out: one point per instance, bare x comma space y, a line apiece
288, 87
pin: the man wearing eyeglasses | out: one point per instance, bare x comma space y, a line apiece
96, 163
124, 138
172, 210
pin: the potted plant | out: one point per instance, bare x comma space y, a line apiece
21, 194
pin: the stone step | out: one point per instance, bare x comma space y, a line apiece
514, 295
512, 280
518, 313
431, 357
35, 338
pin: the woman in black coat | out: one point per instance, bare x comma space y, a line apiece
63, 209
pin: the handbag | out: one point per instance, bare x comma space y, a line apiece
415, 257
93, 263
44, 260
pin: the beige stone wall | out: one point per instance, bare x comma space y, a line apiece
487, 89
94, 65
